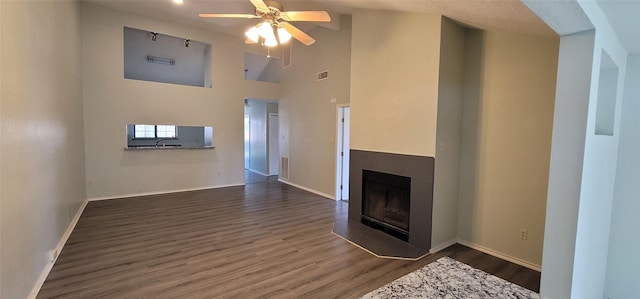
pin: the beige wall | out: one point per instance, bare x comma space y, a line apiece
448, 134
394, 82
111, 102
42, 166
307, 116
508, 113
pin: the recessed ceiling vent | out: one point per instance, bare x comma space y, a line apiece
322, 75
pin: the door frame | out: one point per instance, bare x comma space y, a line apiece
338, 144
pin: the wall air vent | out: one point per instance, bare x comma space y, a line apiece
284, 168
322, 75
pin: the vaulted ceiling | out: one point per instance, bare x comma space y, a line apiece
505, 15
509, 15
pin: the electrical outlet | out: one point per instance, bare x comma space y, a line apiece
524, 234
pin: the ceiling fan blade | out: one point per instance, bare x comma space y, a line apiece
312, 16
298, 34
228, 15
259, 4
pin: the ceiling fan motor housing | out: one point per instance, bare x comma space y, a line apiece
273, 14
274, 4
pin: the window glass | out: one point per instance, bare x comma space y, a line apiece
154, 131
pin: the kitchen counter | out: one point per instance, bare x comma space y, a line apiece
166, 147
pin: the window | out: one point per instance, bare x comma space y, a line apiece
154, 131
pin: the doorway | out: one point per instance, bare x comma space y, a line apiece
247, 142
274, 144
261, 137
342, 167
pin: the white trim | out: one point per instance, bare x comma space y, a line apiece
501, 255
161, 192
307, 189
58, 249
443, 246
258, 172
338, 148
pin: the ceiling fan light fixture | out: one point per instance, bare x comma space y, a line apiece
253, 34
271, 41
284, 35
275, 28
265, 30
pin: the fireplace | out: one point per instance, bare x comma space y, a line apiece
386, 202
403, 176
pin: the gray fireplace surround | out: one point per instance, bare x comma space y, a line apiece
418, 168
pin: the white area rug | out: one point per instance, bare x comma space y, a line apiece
448, 278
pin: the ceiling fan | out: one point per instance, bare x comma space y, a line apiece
275, 29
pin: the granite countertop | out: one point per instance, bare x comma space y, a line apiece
167, 147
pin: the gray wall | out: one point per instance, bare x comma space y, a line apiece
506, 143
190, 62
43, 168
259, 67
448, 133
307, 115
624, 243
565, 171
272, 72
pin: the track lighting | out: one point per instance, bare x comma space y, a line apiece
186, 42
154, 36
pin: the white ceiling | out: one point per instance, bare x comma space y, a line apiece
506, 15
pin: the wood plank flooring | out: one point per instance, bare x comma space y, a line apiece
265, 239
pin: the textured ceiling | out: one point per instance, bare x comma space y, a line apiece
506, 15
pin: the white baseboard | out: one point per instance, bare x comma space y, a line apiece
258, 172
161, 192
307, 189
58, 250
443, 246
501, 255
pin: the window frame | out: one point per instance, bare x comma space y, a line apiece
155, 133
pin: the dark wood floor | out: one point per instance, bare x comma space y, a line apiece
265, 239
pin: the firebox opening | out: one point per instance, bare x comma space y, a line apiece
386, 202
